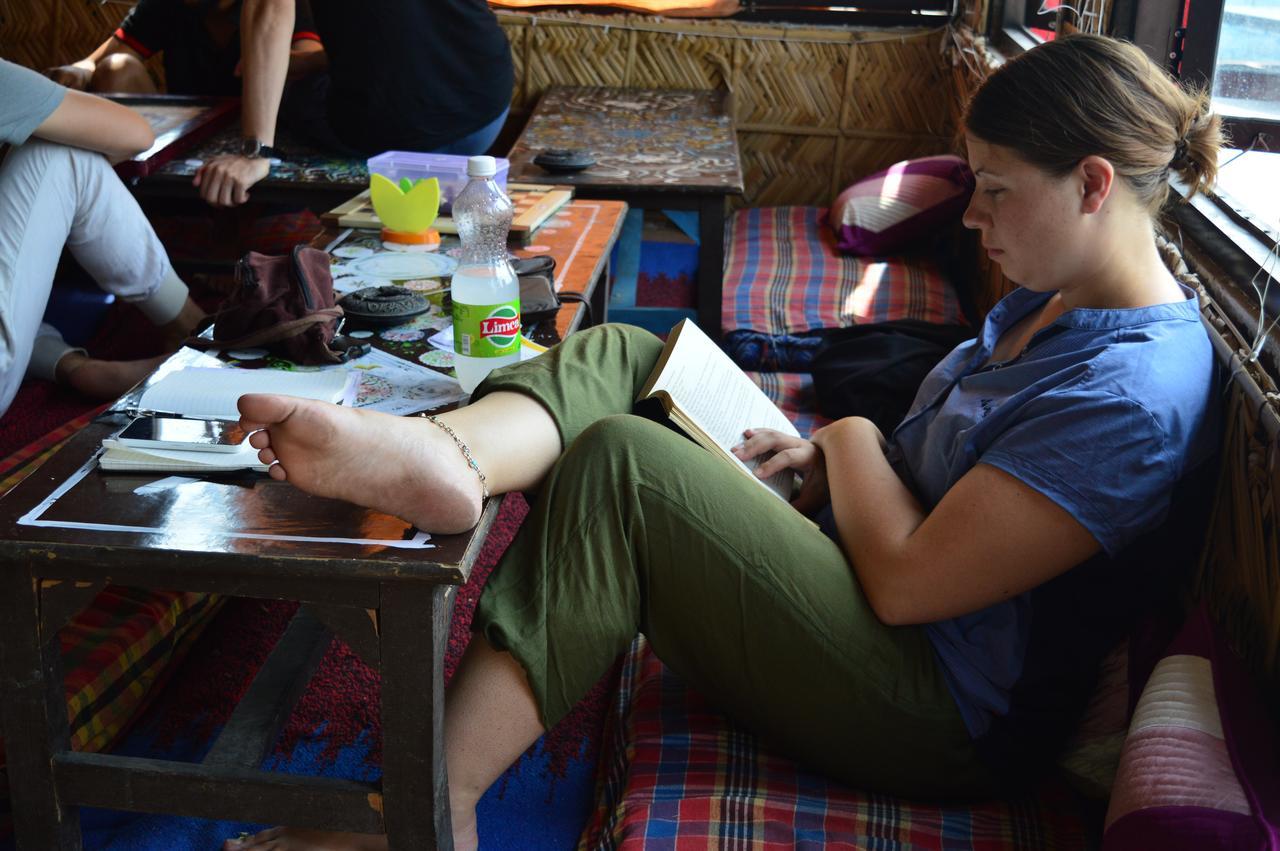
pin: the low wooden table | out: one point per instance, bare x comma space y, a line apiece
654, 149
69, 529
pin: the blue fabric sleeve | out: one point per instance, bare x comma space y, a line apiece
1103, 458
26, 100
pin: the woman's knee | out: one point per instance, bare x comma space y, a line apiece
611, 438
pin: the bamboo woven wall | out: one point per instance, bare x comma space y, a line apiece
816, 108
42, 33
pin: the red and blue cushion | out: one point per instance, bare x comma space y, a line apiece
675, 773
784, 275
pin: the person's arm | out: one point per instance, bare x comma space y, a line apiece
991, 537
78, 74
88, 121
266, 27
306, 57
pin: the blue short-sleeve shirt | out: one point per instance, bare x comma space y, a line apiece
1103, 412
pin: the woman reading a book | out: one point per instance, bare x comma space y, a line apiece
942, 639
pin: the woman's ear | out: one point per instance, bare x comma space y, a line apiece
1097, 177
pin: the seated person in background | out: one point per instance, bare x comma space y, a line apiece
200, 42
414, 76
56, 189
941, 639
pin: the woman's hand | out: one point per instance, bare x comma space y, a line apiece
788, 453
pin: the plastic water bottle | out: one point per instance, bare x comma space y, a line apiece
486, 292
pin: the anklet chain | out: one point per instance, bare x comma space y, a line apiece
466, 453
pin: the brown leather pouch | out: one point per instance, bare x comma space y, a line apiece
284, 304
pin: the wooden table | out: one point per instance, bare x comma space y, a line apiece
69, 529
654, 149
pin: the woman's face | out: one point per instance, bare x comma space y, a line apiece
1028, 218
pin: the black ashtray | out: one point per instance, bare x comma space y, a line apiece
385, 305
564, 160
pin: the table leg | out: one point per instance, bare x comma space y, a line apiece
710, 263
414, 627
34, 719
600, 295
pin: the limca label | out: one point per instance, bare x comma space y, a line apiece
486, 330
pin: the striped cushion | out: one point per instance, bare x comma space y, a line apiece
1199, 766
783, 275
115, 653
907, 204
677, 774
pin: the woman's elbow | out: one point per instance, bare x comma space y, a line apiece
135, 137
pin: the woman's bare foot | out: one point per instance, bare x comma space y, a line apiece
290, 839
403, 466
102, 379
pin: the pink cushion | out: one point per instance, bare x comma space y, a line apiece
1198, 769
900, 208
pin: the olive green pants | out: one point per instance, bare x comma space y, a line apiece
638, 529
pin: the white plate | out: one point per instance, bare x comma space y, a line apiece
403, 267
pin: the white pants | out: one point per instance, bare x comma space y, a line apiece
50, 196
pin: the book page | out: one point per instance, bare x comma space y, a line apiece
120, 457
211, 394
719, 399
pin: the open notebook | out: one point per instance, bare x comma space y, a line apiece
208, 393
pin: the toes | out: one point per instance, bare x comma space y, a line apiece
276, 472
259, 439
267, 455
264, 408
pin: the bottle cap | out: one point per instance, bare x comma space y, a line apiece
481, 167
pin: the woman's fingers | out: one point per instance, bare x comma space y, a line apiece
757, 441
795, 458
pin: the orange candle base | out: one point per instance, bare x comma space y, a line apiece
427, 240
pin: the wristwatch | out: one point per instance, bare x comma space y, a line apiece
255, 149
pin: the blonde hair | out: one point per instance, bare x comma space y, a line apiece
1085, 95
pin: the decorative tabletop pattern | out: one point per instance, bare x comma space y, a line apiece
304, 166
641, 139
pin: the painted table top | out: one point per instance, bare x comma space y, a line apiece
664, 140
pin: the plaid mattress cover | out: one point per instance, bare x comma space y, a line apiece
784, 275
677, 774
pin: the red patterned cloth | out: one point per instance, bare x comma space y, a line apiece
792, 392
677, 774
784, 275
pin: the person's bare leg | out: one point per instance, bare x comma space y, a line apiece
490, 719
120, 72
102, 379
405, 466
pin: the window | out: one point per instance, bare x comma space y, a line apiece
881, 13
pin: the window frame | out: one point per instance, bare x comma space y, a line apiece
860, 13
1224, 231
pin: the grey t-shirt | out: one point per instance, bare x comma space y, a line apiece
26, 100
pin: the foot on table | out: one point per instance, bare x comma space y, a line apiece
402, 466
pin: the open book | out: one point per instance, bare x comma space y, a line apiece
211, 394
713, 401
